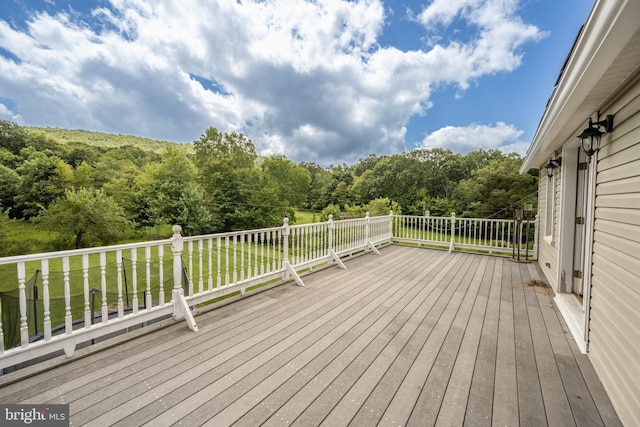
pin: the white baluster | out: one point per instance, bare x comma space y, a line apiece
255, 253
200, 277
148, 302
219, 255
161, 275
24, 327
103, 286
210, 272
241, 238
226, 260
134, 279
1, 330
262, 258
119, 281
68, 322
235, 261
190, 250
46, 299
85, 281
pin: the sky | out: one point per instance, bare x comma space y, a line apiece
324, 81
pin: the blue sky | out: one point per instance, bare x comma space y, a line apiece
326, 81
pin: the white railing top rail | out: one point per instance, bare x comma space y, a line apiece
77, 252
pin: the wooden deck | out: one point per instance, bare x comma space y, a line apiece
411, 337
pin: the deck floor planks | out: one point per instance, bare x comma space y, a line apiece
385, 292
386, 385
327, 400
556, 404
455, 399
316, 391
357, 360
308, 375
584, 410
244, 343
435, 328
432, 394
530, 403
414, 337
480, 400
505, 394
259, 384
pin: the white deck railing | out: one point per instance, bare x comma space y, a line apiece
143, 282
502, 236
64, 299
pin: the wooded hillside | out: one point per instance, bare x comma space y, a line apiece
92, 189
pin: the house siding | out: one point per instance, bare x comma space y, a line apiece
548, 253
614, 338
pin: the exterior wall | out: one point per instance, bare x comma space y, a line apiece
614, 334
548, 245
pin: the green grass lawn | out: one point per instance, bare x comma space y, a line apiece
306, 217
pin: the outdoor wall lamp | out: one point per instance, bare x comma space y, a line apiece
553, 163
590, 137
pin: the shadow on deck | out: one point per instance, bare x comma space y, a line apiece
412, 337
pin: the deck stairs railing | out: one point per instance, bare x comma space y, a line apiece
63, 300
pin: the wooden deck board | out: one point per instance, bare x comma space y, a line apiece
412, 337
480, 400
530, 402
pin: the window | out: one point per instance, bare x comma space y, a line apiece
550, 216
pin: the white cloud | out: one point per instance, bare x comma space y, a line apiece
474, 137
306, 79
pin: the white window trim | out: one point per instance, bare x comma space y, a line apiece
550, 214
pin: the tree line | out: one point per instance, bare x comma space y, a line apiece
93, 195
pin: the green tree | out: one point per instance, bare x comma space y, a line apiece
13, 137
492, 189
291, 180
171, 194
92, 217
44, 179
320, 178
382, 206
10, 184
82, 176
330, 210
238, 194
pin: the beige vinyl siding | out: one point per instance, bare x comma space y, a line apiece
548, 254
614, 337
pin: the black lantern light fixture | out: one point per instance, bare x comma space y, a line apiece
552, 165
590, 137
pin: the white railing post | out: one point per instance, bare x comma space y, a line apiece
367, 232
289, 271
391, 226
452, 245
367, 229
181, 308
331, 227
177, 246
286, 230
